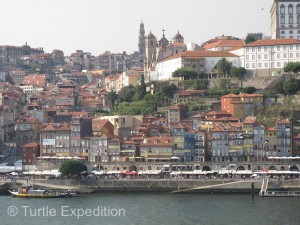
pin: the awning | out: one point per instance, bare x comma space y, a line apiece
175, 157
150, 172
131, 173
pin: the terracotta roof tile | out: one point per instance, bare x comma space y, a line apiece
225, 43
270, 42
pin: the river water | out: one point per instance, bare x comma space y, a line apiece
151, 208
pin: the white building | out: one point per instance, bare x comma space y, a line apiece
268, 57
201, 61
285, 19
31, 90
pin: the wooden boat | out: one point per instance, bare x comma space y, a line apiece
31, 192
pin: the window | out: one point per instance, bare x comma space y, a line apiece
259, 49
247, 49
253, 49
247, 65
291, 55
282, 20
253, 65
278, 48
291, 8
266, 56
297, 55
278, 56
266, 65
291, 47
259, 56
285, 55
253, 57
291, 19
282, 9
265, 49
278, 64
259, 65
272, 65
298, 9
247, 57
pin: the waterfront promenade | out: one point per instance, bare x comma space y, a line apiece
162, 185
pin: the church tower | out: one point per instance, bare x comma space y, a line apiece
178, 38
142, 40
150, 55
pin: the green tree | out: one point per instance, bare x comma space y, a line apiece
165, 89
72, 167
249, 90
126, 93
249, 39
292, 67
279, 88
113, 97
200, 85
224, 66
239, 73
291, 86
185, 73
140, 90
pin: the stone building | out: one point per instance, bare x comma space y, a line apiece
26, 129
285, 19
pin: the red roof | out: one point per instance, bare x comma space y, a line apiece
241, 95
30, 145
179, 44
34, 79
158, 141
270, 42
225, 43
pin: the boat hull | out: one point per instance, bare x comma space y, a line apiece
44, 195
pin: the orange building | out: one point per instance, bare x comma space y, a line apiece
241, 105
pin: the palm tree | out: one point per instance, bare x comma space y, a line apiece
223, 66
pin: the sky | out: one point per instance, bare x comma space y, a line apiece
97, 26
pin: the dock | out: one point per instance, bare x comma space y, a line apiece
265, 193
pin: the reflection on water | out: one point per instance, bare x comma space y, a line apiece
153, 208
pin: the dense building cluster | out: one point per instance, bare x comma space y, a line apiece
50, 102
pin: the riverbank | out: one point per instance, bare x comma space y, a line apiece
158, 185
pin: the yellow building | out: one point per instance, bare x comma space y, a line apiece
157, 148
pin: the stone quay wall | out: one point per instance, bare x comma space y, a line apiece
169, 185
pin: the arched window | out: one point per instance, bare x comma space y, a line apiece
282, 20
291, 20
282, 10
291, 7
298, 9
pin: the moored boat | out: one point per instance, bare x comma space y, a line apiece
31, 192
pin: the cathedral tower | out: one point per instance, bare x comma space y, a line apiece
142, 40
150, 55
